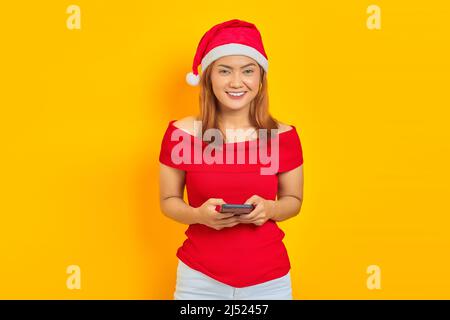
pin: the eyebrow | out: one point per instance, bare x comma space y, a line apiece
250, 64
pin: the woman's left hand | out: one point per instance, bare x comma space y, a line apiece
264, 210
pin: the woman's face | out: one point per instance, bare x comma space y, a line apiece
235, 74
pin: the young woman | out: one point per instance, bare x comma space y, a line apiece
226, 255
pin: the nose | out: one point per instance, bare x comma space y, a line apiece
236, 81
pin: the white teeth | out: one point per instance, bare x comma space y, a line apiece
236, 94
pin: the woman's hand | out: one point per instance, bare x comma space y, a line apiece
263, 211
208, 215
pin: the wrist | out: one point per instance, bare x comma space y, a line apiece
272, 209
196, 215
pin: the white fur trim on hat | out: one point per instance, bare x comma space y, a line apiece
234, 49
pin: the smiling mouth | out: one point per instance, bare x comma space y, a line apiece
236, 94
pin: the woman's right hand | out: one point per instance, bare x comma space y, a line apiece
208, 215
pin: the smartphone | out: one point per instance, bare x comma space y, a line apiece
235, 208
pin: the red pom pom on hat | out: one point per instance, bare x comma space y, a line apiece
233, 37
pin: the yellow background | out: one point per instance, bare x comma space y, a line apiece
83, 113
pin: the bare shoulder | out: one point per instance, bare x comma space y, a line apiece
283, 127
186, 124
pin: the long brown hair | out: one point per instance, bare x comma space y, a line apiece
260, 117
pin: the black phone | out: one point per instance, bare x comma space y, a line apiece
235, 208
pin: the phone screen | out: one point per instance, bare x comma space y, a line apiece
236, 208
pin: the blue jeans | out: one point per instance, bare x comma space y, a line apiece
194, 285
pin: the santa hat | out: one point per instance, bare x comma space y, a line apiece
233, 37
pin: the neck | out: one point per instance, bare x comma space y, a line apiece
234, 119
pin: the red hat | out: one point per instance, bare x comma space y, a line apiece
233, 37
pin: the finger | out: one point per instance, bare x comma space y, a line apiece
259, 222
222, 216
231, 224
216, 201
251, 200
251, 216
234, 224
244, 221
228, 221
247, 221
244, 216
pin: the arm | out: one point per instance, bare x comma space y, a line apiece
290, 195
288, 203
171, 182
171, 190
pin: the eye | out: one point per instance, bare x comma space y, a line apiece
251, 71
223, 71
